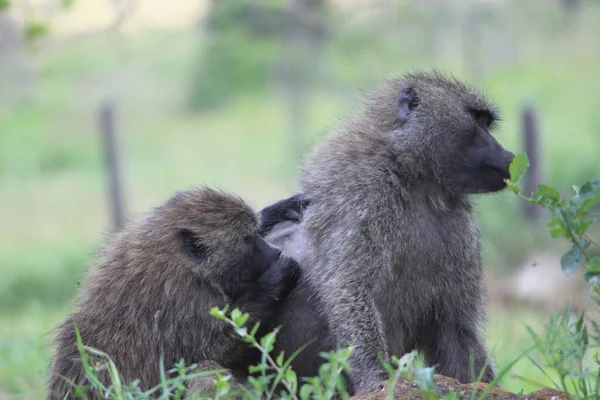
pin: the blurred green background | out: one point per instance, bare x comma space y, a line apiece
231, 94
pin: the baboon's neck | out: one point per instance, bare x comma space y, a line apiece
437, 199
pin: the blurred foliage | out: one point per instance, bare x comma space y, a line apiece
251, 45
68, 4
565, 347
4, 4
570, 219
242, 49
36, 30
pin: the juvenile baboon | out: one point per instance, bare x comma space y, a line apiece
151, 291
388, 246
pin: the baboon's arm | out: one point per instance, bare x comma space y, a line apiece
354, 319
451, 341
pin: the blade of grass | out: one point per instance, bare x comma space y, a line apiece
89, 371
503, 372
114, 373
543, 371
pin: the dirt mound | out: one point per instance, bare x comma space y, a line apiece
407, 390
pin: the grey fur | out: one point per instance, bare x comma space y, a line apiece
146, 296
388, 246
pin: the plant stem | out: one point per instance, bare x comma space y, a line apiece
269, 359
574, 238
592, 241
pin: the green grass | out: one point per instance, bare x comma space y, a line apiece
53, 201
24, 351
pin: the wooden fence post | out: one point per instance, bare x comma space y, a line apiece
113, 163
533, 177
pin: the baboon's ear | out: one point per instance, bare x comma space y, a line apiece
192, 246
407, 102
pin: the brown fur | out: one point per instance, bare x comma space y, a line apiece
147, 296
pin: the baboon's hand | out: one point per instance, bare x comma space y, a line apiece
290, 209
295, 207
291, 273
281, 278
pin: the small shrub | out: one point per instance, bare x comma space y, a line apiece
564, 347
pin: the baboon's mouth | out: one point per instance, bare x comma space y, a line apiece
501, 172
494, 177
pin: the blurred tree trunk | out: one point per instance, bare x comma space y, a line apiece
112, 157
304, 34
570, 9
16, 72
533, 177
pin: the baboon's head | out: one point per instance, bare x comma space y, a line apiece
216, 236
445, 128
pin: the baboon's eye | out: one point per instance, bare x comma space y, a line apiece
483, 117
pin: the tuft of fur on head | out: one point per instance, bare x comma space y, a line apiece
217, 221
218, 217
437, 94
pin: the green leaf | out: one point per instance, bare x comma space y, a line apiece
306, 391
389, 369
35, 30
592, 270
218, 314
242, 319
68, 4
574, 257
291, 378
257, 384
279, 360
222, 386
268, 341
581, 227
556, 228
5, 4
255, 368
579, 323
587, 196
518, 167
255, 329
585, 338
236, 314
513, 187
546, 194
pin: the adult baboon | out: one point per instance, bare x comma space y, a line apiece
151, 292
389, 250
